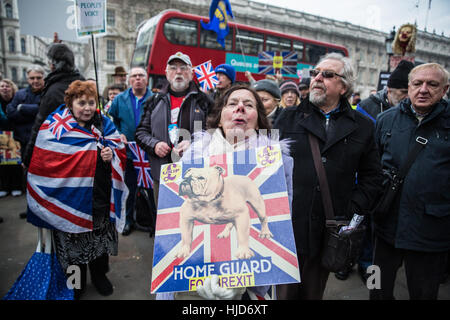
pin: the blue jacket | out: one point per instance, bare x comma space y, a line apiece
123, 115
122, 112
420, 216
22, 119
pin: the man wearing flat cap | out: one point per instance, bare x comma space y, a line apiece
178, 105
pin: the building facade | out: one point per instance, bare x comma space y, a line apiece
366, 47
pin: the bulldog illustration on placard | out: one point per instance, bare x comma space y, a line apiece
214, 199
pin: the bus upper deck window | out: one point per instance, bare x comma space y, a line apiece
181, 31
313, 53
252, 43
208, 39
277, 44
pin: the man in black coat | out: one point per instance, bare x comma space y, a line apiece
395, 91
349, 153
416, 230
63, 73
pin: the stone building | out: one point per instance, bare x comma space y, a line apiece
19, 51
366, 47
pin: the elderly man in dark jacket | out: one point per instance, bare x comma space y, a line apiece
179, 105
347, 147
416, 230
63, 73
23, 109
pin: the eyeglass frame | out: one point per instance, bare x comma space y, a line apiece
324, 73
173, 68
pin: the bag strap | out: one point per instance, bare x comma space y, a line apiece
323, 182
412, 155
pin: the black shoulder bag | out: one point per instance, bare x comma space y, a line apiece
338, 250
394, 180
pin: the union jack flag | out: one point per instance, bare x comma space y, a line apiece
61, 175
61, 123
206, 76
207, 248
271, 61
142, 166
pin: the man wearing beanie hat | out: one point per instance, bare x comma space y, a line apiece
226, 75
396, 91
289, 94
270, 95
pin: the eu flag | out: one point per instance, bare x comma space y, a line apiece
218, 19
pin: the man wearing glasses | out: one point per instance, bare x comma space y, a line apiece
126, 110
170, 114
347, 147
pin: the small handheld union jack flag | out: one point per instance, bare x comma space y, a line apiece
206, 76
142, 166
61, 123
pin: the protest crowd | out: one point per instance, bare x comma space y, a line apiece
342, 155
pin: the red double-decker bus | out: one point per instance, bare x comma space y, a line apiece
171, 31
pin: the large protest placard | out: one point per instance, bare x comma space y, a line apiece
9, 149
227, 215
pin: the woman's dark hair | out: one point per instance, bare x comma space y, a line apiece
213, 120
76, 90
61, 57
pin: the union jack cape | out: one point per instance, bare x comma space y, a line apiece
206, 76
207, 248
62, 169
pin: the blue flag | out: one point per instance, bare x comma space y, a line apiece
218, 19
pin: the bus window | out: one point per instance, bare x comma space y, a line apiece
181, 31
252, 43
277, 44
144, 43
336, 50
313, 53
298, 47
208, 39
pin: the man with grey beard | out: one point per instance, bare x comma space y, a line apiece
178, 105
346, 142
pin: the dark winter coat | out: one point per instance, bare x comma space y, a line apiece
153, 127
374, 104
22, 118
420, 217
348, 151
56, 83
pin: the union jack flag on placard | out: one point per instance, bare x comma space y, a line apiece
61, 175
212, 251
271, 61
142, 166
206, 76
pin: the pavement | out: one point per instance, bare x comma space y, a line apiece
130, 271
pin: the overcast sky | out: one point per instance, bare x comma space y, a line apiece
377, 14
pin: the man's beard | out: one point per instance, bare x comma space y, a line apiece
318, 98
179, 86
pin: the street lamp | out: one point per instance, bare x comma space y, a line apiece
388, 43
